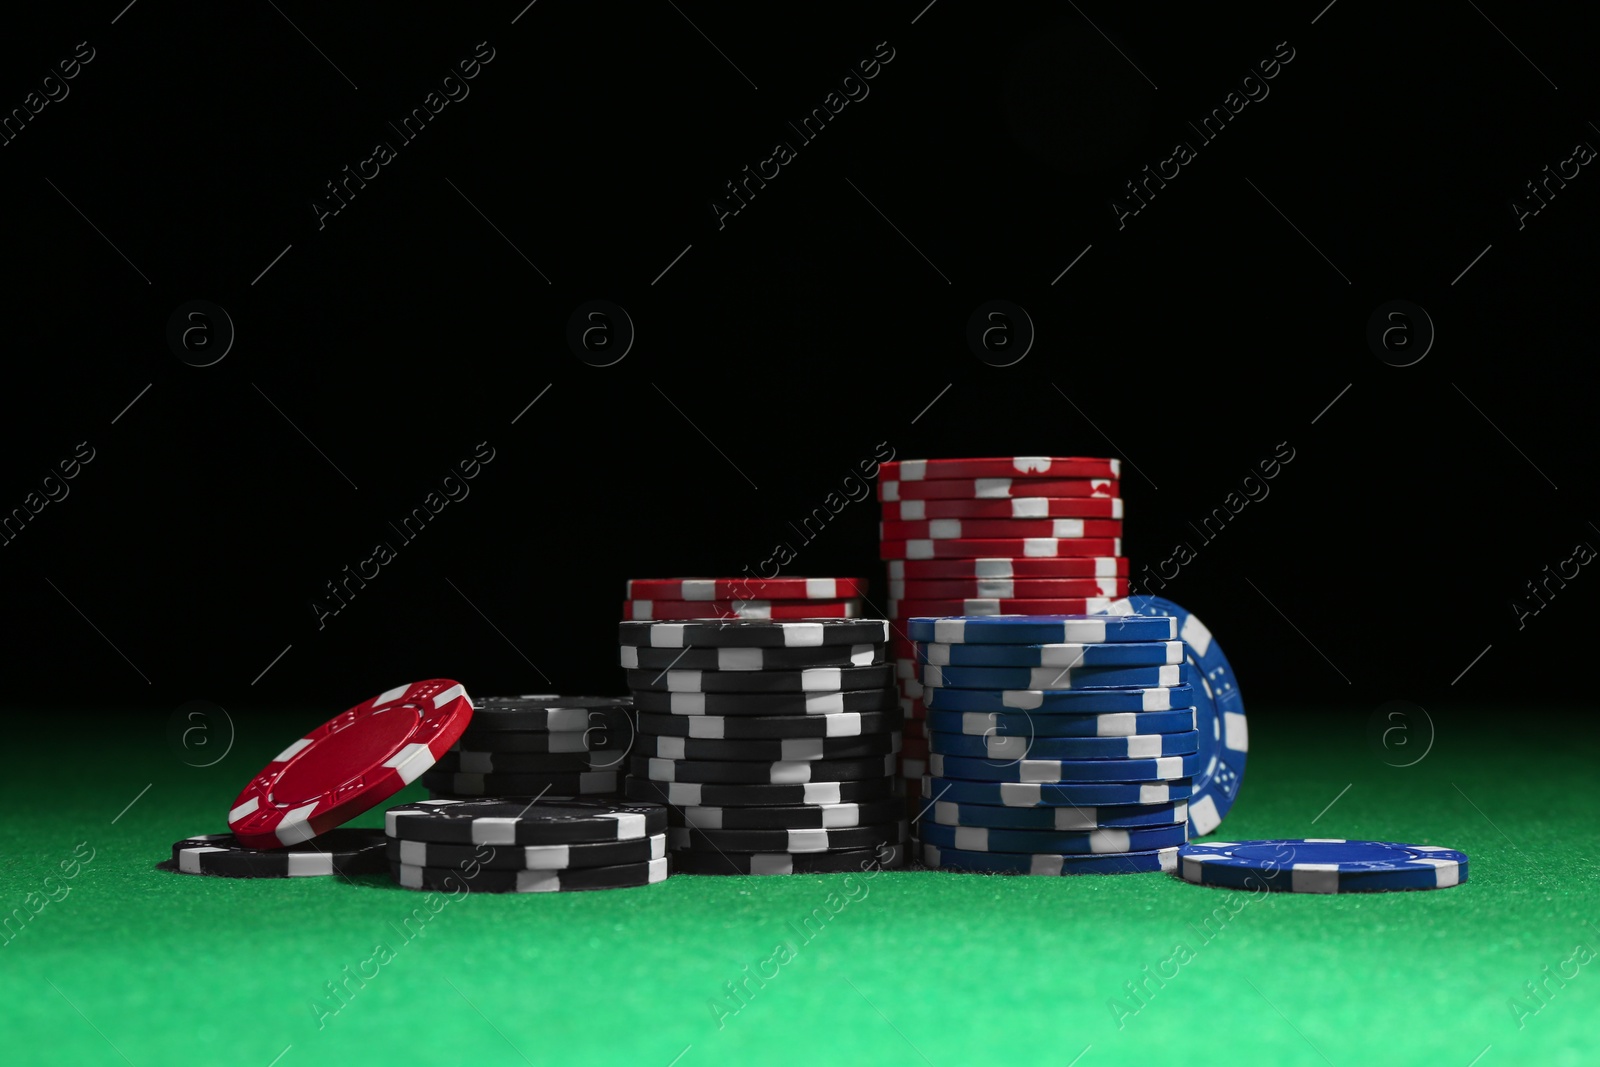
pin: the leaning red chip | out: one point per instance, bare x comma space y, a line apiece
350, 763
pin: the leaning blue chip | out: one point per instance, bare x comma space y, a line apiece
1163, 769
1219, 712
1057, 842
1052, 794
1049, 678
1061, 701
1322, 865
1022, 724
1110, 654
1164, 859
997, 746
1042, 629
1093, 817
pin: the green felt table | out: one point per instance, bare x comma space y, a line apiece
126, 963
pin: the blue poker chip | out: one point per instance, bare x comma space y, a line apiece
1062, 701
1052, 794
1053, 842
1051, 678
951, 859
1162, 769
1113, 654
998, 746
1041, 629
1111, 816
1219, 712
1110, 724
1322, 865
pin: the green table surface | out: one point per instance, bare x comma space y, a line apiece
125, 963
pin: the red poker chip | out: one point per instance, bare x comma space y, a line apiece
976, 548
922, 609
1005, 588
996, 488
916, 470
1008, 567
350, 763
1017, 507
950, 529
680, 610
745, 588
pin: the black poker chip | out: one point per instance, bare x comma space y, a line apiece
465, 784
594, 739
771, 727
494, 761
479, 879
756, 633
806, 680
757, 772
832, 839
883, 857
344, 851
549, 713
698, 794
552, 820
526, 857
792, 817
726, 704
794, 748
753, 658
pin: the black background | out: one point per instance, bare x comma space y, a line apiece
819, 322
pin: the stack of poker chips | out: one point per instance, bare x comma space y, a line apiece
529, 845
1024, 535
772, 743
1057, 744
681, 599
529, 746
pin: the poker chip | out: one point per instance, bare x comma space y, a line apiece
343, 852
741, 609
751, 659
794, 842
808, 680
970, 548
1054, 629
891, 490
1007, 567
770, 727
1110, 724
1071, 701
794, 748
548, 821
960, 589
1219, 711
1017, 507
1051, 678
1164, 859
752, 772
1322, 865
766, 704
793, 817
883, 857
1040, 794
593, 739
1053, 842
350, 763
916, 470
745, 588
910, 609
760, 633
490, 880
1027, 746
546, 712
1069, 655
1163, 768
525, 857
950, 529
462, 784
698, 794
464, 761
1116, 816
